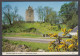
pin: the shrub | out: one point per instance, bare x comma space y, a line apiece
68, 45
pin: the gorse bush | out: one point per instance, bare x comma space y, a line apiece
65, 31
64, 45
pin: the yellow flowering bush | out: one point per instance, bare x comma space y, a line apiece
56, 36
64, 45
70, 46
65, 31
53, 35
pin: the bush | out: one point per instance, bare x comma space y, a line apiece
68, 45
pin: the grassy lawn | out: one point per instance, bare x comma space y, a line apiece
43, 28
34, 46
25, 35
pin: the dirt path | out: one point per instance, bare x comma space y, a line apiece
30, 39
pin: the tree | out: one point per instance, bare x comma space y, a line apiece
15, 15
40, 13
47, 11
62, 19
4, 21
9, 15
68, 10
7, 11
20, 18
46, 14
73, 22
51, 18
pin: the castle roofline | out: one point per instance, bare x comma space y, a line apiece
30, 7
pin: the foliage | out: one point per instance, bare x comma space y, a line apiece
73, 22
64, 45
40, 13
9, 15
46, 14
65, 31
41, 28
69, 14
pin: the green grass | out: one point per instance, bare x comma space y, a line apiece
34, 46
28, 35
57, 31
43, 28
21, 35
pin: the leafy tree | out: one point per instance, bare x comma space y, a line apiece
67, 11
7, 11
40, 13
51, 18
61, 19
47, 11
9, 15
73, 22
46, 14
15, 15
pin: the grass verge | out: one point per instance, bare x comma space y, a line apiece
21, 35
34, 46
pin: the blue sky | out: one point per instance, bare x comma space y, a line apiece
22, 6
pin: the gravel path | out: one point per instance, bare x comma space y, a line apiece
30, 39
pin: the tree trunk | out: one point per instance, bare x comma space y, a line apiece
8, 18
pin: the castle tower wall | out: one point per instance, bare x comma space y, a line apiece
30, 14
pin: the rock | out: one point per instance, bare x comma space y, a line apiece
12, 46
15, 48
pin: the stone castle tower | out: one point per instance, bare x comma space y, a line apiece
29, 14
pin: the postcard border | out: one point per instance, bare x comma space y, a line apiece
37, 1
